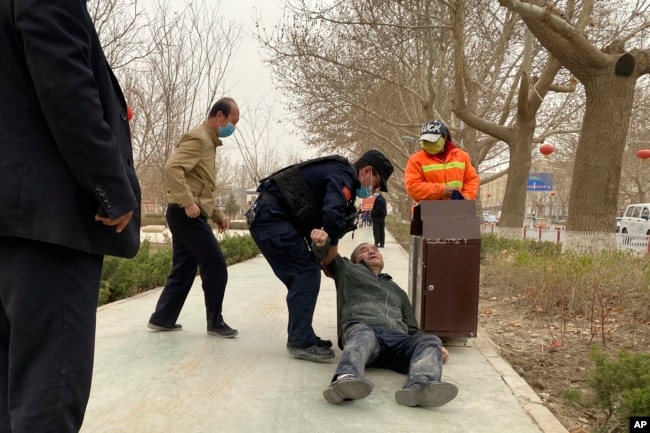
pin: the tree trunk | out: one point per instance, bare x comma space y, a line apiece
597, 171
514, 209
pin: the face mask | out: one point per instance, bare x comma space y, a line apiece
364, 192
433, 148
226, 131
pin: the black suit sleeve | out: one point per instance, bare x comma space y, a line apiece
62, 54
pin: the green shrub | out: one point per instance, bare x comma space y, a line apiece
238, 225
122, 278
621, 387
238, 248
571, 396
157, 219
566, 283
399, 230
490, 243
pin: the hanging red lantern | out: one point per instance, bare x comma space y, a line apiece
489, 195
129, 113
546, 150
643, 155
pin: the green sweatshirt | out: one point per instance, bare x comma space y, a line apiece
363, 296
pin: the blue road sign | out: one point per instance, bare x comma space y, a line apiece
540, 182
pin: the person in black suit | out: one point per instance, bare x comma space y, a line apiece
69, 196
378, 214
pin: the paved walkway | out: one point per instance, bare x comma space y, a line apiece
190, 382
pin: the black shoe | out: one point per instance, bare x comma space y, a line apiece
347, 387
174, 327
311, 353
323, 343
223, 331
430, 394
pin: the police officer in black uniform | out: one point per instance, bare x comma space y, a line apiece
318, 193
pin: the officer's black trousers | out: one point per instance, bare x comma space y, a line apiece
293, 263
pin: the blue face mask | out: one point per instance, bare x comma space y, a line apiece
226, 131
364, 191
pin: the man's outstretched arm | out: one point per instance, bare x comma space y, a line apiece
320, 242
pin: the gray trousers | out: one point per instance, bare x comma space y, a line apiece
419, 355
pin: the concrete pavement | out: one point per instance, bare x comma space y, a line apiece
191, 382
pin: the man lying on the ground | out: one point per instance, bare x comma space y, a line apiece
377, 328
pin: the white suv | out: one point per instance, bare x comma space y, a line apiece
636, 220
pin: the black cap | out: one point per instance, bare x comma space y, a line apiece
380, 164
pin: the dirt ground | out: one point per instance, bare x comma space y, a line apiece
552, 354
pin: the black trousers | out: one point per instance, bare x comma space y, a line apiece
379, 232
288, 254
194, 247
47, 335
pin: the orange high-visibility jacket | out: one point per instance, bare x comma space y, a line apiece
427, 175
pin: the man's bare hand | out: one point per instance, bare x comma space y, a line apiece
223, 224
119, 223
319, 237
192, 210
445, 355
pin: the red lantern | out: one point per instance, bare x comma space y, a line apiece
643, 155
129, 113
546, 150
552, 193
489, 195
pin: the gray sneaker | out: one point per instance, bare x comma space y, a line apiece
311, 353
347, 388
429, 394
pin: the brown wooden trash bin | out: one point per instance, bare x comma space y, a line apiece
444, 266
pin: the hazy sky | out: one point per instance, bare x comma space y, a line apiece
250, 80
250, 77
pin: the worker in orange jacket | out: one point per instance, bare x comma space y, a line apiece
439, 171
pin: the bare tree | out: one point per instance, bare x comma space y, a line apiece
502, 96
255, 144
363, 73
172, 88
609, 75
366, 73
120, 26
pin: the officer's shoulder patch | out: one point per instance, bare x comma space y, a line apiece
347, 193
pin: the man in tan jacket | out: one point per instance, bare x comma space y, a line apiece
190, 173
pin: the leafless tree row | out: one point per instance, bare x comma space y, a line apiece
172, 62
506, 77
362, 74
